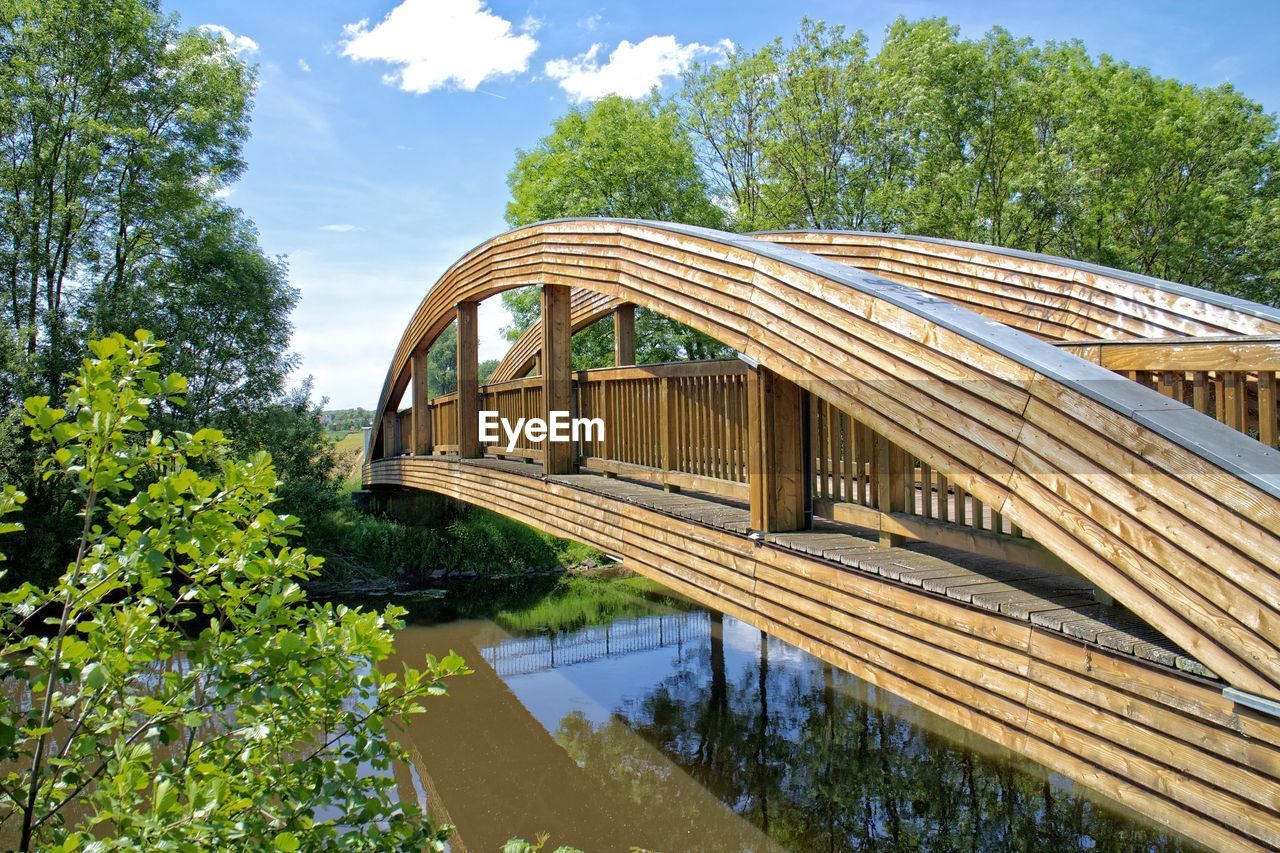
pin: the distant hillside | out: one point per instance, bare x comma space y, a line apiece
343, 421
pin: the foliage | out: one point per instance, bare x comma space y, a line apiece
289, 428
225, 308
360, 546
623, 159
118, 130
996, 140
344, 421
175, 688
116, 125
616, 158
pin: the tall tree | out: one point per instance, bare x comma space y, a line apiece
996, 140
117, 129
114, 120
726, 108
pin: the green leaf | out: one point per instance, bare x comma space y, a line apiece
286, 841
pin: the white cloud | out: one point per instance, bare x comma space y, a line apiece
590, 22
436, 43
340, 228
632, 69
304, 66
235, 43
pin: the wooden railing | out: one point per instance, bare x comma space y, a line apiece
685, 426
681, 425
860, 478
1232, 379
513, 400
444, 424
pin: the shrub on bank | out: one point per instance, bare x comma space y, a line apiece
175, 689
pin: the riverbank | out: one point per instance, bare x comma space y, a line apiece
371, 555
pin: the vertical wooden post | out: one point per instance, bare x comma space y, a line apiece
390, 433
776, 462
891, 485
468, 382
421, 442
1267, 405
557, 383
624, 335
667, 429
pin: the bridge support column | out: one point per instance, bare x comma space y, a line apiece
776, 463
557, 382
390, 433
468, 382
421, 443
624, 335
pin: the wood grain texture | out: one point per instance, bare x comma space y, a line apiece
1175, 516
1051, 298
468, 395
1157, 740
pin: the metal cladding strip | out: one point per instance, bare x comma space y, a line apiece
1216, 603
1266, 313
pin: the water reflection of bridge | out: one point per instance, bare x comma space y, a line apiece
527, 655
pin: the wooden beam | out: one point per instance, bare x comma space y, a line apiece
421, 405
667, 430
557, 382
468, 381
891, 492
1211, 353
776, 438
624, 335
391, 434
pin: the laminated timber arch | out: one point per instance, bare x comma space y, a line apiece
1174, 515
1051, 298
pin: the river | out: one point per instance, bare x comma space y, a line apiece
610, 714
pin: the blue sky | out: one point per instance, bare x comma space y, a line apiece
383, 131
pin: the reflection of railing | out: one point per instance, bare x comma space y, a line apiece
525, 655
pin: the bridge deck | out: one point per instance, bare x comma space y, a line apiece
1051, 602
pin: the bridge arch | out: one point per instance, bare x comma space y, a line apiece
1173, 514
1051, 298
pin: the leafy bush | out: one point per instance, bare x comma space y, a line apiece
175, 688
360, 546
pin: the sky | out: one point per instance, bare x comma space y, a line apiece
383, 130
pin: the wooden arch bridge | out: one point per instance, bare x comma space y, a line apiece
1037, 497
